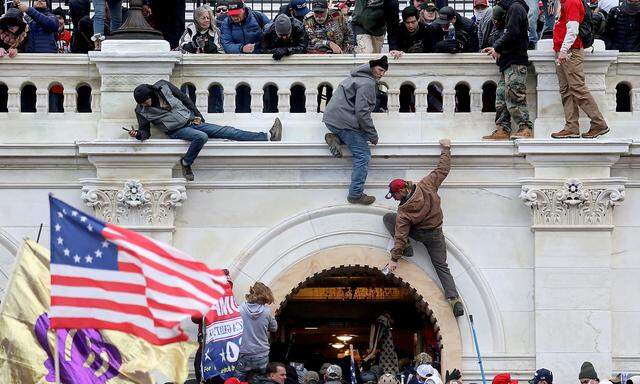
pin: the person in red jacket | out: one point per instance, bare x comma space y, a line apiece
570, 71
63, 38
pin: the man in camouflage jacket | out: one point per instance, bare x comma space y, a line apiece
328, 30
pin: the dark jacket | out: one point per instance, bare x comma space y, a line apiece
374, 17
410, 43
466, 37
179, 115
296, 43
512, 45
623, 30
236, 35
43, 29
352, 102
421, 210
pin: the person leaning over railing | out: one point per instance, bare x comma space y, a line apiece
201, 36
412, 36
13, 32
43, 27
285, 36
454, 33
241, 31
328, 30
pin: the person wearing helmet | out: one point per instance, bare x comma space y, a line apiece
420, 217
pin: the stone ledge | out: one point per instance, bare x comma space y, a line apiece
573, 146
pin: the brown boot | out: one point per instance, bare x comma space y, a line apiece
523, 133
565, 134
364, 199
593, 133
333, 141
498, 134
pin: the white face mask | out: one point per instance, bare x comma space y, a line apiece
479, 13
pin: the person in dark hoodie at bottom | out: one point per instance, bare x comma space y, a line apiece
510, 52
258, 321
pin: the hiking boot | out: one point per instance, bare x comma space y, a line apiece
456, 306
186, 171
498, 134
593, 133
364, 199
333, 141
523, 133
565, 134
276, 130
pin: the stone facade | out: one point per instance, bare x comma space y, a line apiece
542, 235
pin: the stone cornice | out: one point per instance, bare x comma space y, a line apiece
573, 146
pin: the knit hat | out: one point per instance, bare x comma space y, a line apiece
387, 378
334, 372
543, 374
311, 377
410, 11
143, 92
381, 62
587, 371
283, 25
422, 357
503, 378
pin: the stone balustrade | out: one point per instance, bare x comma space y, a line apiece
428, 95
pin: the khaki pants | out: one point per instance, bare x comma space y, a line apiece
369, 43
574, 93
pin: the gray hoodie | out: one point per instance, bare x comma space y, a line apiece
258, 322
351, 104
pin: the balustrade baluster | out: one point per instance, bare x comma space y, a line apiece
311, 100
13, 100
229, 99
42, 100
256, 100
283, 99
476, 101
202, 99
393, 103
448, 102
635, 100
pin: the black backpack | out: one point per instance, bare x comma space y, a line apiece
585, 31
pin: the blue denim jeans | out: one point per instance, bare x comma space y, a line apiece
357, 142
199, 134
533, 20
549, 17
115, 8
248, 363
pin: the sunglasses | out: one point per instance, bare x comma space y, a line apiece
221, 9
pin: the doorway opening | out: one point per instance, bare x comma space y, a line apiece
333, 309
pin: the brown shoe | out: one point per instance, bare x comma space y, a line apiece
565, 134
593, 133
333, 141
364, 199
523, 133
498, 134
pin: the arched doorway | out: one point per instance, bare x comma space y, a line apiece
343, 302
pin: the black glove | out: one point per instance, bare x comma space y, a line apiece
454, 375
280, 53
448, 46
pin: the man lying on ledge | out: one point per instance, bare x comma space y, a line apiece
165, 106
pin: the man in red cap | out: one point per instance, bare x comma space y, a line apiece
420, 217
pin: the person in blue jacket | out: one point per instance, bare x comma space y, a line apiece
43, 27
241, 31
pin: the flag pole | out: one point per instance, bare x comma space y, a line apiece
203, 345
56, 357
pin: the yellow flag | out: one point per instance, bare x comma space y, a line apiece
27, 344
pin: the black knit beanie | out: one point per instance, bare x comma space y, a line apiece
143, 92
381, 62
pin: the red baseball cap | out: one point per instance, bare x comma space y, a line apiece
480, 2
395, 186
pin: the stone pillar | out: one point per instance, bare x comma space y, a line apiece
572, 199
550, 115
123, 65
134, 185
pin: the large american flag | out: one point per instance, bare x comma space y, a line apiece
107, 277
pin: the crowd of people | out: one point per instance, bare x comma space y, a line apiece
317, 26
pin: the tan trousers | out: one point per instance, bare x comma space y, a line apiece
369, 43
574, 93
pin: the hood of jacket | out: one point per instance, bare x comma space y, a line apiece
13, 16
254, 310
505, 4
363, 70
415, 202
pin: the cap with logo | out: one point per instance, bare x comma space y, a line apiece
334, 372
429, 7
446, 15
299, 7
395, 186
235, 7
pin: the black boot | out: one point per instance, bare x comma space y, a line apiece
186, 171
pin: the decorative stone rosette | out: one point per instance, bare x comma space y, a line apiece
133, 203
573, 203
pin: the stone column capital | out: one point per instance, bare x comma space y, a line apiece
573, 204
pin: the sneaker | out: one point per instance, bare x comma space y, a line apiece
186, 171
456, 306
276, 130
333, 141
523, 133
498, 134
565, 134
593, 133
364, 199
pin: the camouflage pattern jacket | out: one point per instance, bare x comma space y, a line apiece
335, 29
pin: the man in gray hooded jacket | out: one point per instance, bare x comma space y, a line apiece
348, 118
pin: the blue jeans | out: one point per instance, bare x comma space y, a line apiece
248, 363
115, 8
199, 134
549, 17
357, 142
533, 20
